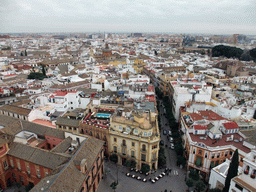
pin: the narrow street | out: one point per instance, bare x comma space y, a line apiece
174, 182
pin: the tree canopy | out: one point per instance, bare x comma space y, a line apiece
226, 51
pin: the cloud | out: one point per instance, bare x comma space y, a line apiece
116, 15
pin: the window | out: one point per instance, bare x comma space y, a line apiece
128, 129
212, 156
216, 163
154, 156
133, 144
145, 134
21, 180
149, 133
90, 133
124, 130
218, 155
206, 155
230, 152
239, 187
87, 182
196, 132
143, 147
124, 151
38, 173
226, 154
19, 166
104, 138
97, 136
143, 157
28, 169
124, 142
11, 161
194, 151
200, 152
5, 165
242, 160
114, 139
120, 128
115, 149
132, 153
136, 132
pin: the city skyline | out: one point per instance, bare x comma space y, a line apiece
211, 17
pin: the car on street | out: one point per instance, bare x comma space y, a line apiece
164, 132
172, 146
161, 142
171, 139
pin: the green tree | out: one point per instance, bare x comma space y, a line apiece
113, 158
43, 71
36, 75
127, 163
232, 171
133, 164
181, 160
200, 185
145, 168
189, 183
113, 186
254, 116
214, 190
193, 174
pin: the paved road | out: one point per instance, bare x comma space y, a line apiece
174, 182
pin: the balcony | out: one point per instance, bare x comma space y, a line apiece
143, 150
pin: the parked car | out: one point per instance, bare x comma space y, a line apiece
161, 142
164, 132
153, 181
172, 146
133, 176
156, 178
171, 139
163, 173
160, 176
128, 174
169, 133
138, 178
144, 180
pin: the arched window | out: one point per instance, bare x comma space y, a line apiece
120, 128
115, 149
82, 131
145, 134
124, 142
136, 132
144, 147
128, 129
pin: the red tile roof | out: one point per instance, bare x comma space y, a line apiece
211, 116
63, 93
230, 125
200, 127
196, 116
221, 142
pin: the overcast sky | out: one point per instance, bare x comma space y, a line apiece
178, 16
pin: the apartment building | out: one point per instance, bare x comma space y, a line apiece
210, 139
134, 135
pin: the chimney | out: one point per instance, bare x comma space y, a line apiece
83, 166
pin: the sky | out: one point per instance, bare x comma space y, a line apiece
168, 16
